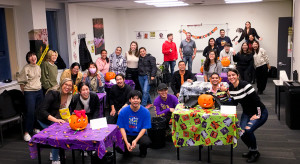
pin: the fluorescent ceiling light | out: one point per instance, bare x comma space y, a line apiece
172, 5
163, 3
241, 1
150, 1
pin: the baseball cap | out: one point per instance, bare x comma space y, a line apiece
162, 86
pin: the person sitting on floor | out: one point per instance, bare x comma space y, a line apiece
179, 77
118, 98
133, 121
217, 88
86, 100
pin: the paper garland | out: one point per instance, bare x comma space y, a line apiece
202, 36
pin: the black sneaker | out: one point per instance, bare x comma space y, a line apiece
246, 155
254, 157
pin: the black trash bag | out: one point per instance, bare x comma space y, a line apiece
7, 109
157, 133
107, 159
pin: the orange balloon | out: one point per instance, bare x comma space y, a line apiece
109, 76
206, 101
78, 123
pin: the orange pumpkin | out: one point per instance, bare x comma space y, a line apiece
206, 101
79, 120
225, 62
201, 69
109, 76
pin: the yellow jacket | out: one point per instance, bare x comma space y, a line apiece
67, 74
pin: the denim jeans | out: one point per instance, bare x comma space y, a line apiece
248, 137
189, 60
55, 152
171, 64
32, 100
146, 99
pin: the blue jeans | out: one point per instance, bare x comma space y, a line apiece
55, 152
189, 60
171, 64
146, 99
248, 137
32, 100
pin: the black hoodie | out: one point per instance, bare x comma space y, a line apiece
147, 65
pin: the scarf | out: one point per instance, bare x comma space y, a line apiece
117, 61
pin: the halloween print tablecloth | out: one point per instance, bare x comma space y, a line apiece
196, 126
62, 136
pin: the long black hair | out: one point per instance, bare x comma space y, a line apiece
207, 60
215, 44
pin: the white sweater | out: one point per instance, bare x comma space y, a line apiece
260, 58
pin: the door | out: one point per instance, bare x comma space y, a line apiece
5, 71
283, 61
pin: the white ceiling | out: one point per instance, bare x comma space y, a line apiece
130, 4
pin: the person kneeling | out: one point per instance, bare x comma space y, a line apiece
134, 130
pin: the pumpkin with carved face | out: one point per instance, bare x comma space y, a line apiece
109, 76
206, 101
79, 120
225, 62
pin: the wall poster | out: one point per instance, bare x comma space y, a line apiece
98, 35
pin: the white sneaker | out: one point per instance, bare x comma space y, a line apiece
36, 131
55, 162
27, 137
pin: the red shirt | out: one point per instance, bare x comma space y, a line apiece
169, 56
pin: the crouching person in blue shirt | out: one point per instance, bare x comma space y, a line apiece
133, 121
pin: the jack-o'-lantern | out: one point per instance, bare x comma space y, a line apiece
225, 62
109, 76
79, 120
201, 69
206, 101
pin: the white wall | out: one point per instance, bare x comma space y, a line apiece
296, 50
263, 16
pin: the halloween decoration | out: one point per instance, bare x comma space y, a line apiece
225, 62
109, 76
201, 69
206, 101
79, 120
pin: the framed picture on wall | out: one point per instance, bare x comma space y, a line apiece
152, 35
146, 35
98, 27
139, 35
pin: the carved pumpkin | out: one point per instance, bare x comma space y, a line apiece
79, 120
225, 62
201, 69
109, 76
206, 101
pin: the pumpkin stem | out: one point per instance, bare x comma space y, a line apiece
75, 132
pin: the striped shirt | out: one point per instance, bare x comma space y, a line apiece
245, 94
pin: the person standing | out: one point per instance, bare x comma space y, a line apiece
132, 58
147, 73
103, 62
30, 84
49, 71
261, 63
222, 40
248, 31
170, 53
211, 46
118, 63
188, 50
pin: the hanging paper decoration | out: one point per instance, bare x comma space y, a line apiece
202, 36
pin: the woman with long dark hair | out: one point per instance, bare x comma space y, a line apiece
132, 58
254, 113
248, 30
212, 45
211, 65
261, 63
244, 60
94, 79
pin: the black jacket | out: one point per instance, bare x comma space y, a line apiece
147, 65
94, 105
244, 60
119, 96
246, 36
176, 80
208, 48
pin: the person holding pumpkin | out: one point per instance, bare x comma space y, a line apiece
94, 79
118, 98
261, 63
30, 84
244, 60
228, 53
133, 121
86, 100
132, 58
49, 71
212, 45
211, 64
103, 62
118, 63
254, 115
57, 97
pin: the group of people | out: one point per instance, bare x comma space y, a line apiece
76, 90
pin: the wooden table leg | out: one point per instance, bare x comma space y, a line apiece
178, 153
39, 153
114, 153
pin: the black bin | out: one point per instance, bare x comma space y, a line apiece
157, 133
292, 111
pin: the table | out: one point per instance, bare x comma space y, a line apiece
63, 137
279, 88
195, 89
108, 84
196, 126
102, 98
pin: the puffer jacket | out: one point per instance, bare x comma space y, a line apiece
147, 65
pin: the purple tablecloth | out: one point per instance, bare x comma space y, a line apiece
63, 136
102, 98
128, 82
